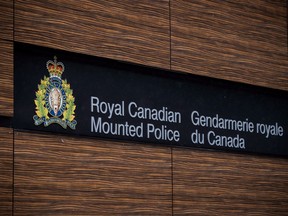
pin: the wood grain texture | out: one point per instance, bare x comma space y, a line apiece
135, 31
214, 183
6, 170
57, 175
6, 19
6, 78
243, 41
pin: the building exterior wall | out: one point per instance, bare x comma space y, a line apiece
49, 174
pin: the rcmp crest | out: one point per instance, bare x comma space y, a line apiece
54, 99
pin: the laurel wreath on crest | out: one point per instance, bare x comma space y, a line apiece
42, 111
69, 112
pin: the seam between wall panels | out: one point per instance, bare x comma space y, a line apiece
170, 66
13, 148
170, 33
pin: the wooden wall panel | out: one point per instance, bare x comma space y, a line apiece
6, 19
215, 183
136, 31
243, 41
6, 78
57, 175
6, 171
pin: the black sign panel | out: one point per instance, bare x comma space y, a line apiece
77, 94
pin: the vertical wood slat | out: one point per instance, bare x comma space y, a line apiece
6, 19
6, 170
6, 78
72, 176
135, 31
218, 183
243, 41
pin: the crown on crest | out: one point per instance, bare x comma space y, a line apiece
55, 68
